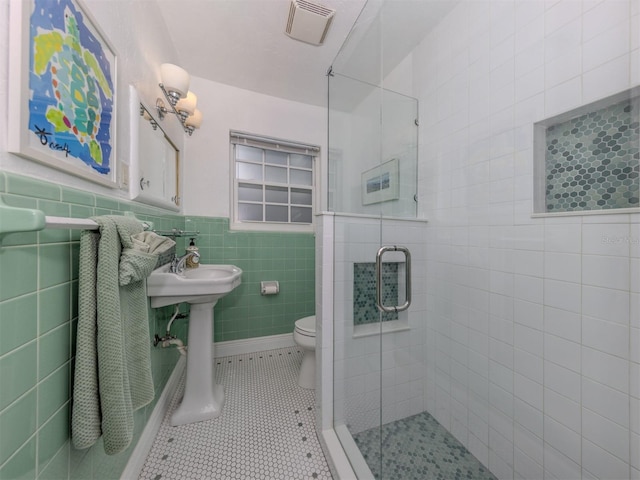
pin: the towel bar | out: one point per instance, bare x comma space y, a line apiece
68, 222
175, 232
78, 223
16, 219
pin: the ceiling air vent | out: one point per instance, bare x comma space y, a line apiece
308, 22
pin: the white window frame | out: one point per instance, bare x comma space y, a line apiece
270, 143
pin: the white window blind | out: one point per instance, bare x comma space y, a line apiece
273, 180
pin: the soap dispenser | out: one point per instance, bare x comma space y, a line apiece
192, 261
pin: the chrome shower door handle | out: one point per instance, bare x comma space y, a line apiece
407, 274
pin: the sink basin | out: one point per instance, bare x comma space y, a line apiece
201, 287
204, 284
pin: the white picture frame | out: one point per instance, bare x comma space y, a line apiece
62, 84
381, 183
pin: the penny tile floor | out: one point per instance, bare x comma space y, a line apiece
266, 429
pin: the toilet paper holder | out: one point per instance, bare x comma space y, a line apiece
270, 287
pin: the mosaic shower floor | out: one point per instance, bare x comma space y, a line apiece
266, 429
418, 448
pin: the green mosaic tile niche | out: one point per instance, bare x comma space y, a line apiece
592, 161
364, 292
38, 318
288, 258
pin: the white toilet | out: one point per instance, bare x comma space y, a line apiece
305, 336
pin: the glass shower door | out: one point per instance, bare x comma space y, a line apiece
372, 190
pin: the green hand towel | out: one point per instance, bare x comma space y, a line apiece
113, 362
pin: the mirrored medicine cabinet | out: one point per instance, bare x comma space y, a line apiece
155, 159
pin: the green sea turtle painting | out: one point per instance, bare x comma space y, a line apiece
71, 85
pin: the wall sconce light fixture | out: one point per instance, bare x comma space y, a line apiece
182, 102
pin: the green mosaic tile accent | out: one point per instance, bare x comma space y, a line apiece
364, 292
593, 161
418, 448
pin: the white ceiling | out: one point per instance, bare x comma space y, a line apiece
242, 42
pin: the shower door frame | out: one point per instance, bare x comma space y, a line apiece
382, 225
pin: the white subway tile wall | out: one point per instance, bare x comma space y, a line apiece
532, 338
378, 372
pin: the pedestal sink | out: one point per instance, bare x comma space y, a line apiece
201, 287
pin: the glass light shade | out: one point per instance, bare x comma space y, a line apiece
194, 120
187, 104
175, 79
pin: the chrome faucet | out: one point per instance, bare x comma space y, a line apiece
178, 263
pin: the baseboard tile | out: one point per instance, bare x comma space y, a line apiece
252, 345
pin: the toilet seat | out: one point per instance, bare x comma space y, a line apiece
306, 326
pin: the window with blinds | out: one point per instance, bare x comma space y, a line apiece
273, 180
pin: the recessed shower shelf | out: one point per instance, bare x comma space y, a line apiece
18, 219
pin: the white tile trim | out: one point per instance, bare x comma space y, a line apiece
380, 328
252, 345
335, 454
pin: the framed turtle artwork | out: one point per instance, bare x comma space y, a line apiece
62, 84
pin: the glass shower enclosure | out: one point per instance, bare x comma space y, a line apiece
521, 341
373, 142
377, 332
379, 261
